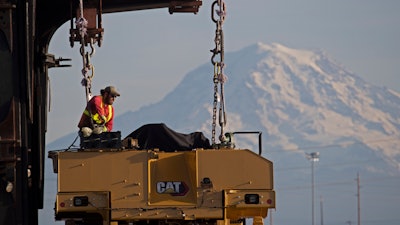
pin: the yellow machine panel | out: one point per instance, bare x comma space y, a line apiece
132, 185
235, 169
172, 179
124, 174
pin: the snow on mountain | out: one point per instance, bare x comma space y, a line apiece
302, 101
305, 96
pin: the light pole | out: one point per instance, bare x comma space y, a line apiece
322, 210
313, 157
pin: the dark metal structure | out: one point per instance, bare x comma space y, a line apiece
26, 27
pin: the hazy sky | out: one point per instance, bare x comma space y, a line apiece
145, 54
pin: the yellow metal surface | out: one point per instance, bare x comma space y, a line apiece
124, 174
147, 185
258, 220
172, 179
236, 198
97, 200
235, 169
237, 208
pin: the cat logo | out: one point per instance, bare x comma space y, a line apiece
174, 188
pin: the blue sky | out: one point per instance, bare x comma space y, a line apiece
145, 54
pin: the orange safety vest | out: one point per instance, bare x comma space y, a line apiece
96, 117
99, 118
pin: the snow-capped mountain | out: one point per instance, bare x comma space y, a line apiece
302, 101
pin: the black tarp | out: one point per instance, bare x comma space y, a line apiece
151, 136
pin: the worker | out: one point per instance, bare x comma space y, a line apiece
98, 115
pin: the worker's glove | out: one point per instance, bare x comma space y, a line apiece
86, 131
98, 129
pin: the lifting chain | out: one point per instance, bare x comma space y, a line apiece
81, 24
218, 9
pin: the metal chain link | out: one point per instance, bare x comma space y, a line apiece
214, 116
86, 81
219, 77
